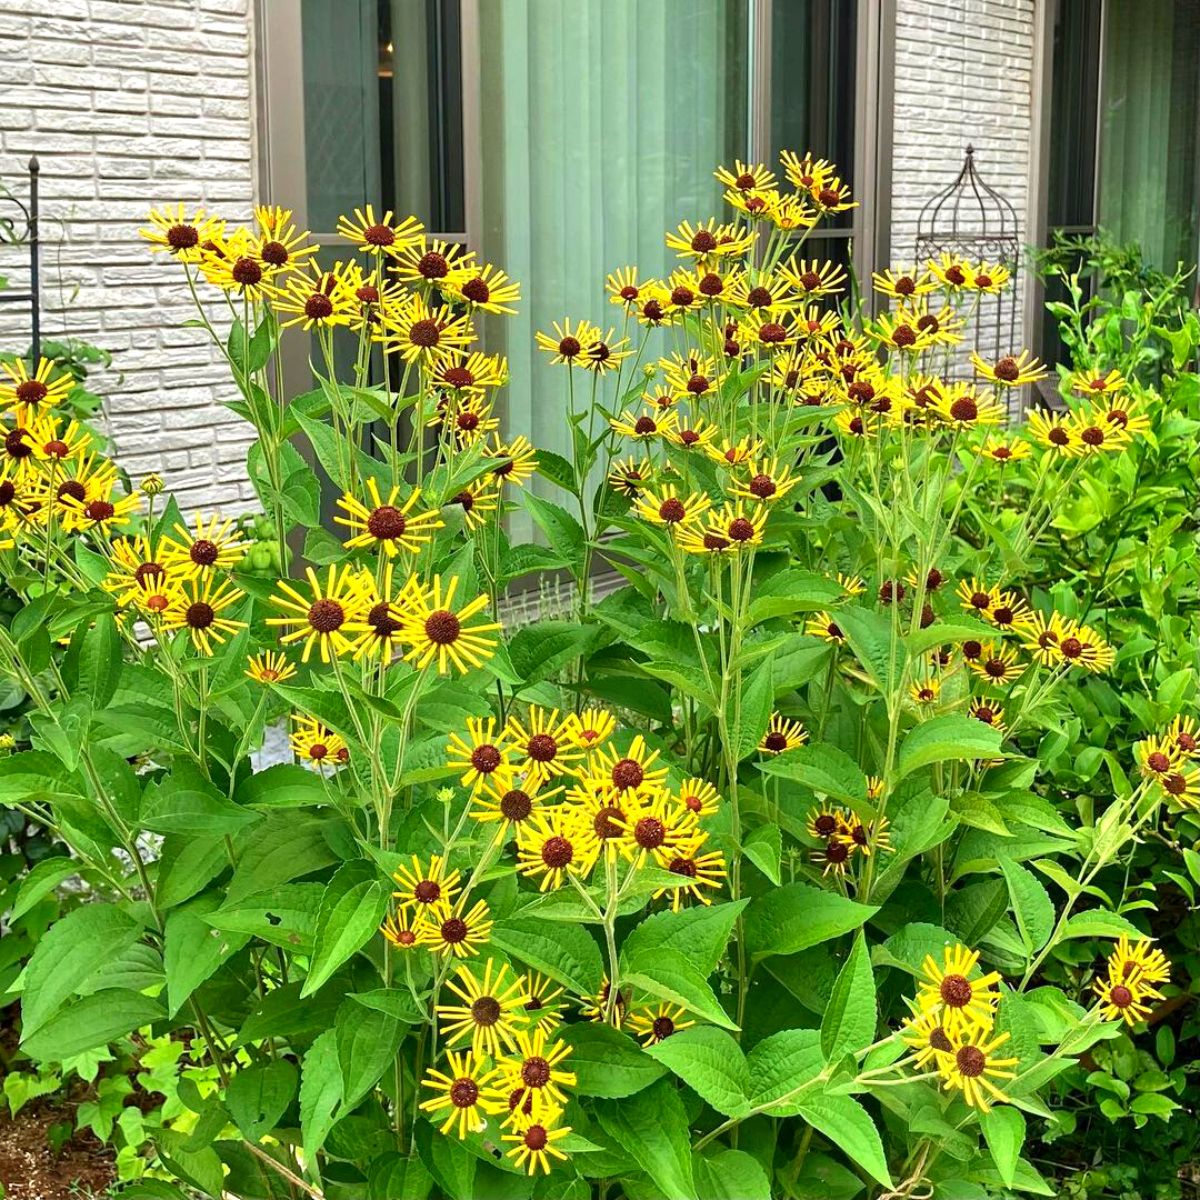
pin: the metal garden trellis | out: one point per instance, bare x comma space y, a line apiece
12, 234
971, 220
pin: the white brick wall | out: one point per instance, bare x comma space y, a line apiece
963, 74
130, 104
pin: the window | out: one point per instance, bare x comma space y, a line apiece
559, 141
1122, 144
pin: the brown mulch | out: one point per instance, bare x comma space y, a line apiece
30, 1170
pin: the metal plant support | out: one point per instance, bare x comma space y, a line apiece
23, 230
971, 220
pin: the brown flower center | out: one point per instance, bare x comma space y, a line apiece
672, 511
199, 615
485, 759
535, 1072
557, 852
542, 748
464, 1092
649, 833
703, 241
246, 272
604, 824
203, 552
387, 523
425, 333
1007, 370
318, 306
442, 627
627, 774
477, 291
956, 991
971, 1061
182, 237
485, 1011
454, 931
515, 805
428, 891
379, 235
326, 616
775, 741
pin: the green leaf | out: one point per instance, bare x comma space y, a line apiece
608, 1063
395, 1176
1031, 905
782, 1063
1096, 923
797, 916
731, 1175
367, 1043
40, 882
556, 468
567, 953
1004, 1131
949, 737
947, 633
193, 949
711, 1063
352, 907
652, 1127
258, 1096
285, 846
100, 661
850, 1017
284, 916
320, 1092
71, 950
792, 590
541, 650
285, 785
700, 934
764, 848
185, 802
93, 1021
869, 636
822, 767
671, 976
849, 1127
754, 711
396, 1002
563, 531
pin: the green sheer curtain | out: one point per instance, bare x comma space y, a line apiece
1150, 128
601, 122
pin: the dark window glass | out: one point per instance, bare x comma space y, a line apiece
383, 109
813, 81
1071, 194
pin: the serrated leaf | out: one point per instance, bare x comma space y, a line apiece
568, 954
320, 1092
652, 1127
797, 916
93, 1021
946, 738
352, 906
1004, 1131
822, 767
850, 1016
671, 976
258, 1096
764, 848
849, 1126
1032, 906
608, 1063
781, 1064
711, 1063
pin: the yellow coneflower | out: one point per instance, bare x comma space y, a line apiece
744, 177
782, 734
772, 333
483, 287
1125, 999
813, 280
627, 771
461, 1094
988, 277
629, 478
740, 526
833, 858
1125, 413
427, 264
1055, 432
468, 372
623, 288
859, 425
764, 297
997, 665
542, 746
903, 285
543, 1001
173, 231
421, 332
421, 887
823, 823
1141, 957
269, 667
278, 241
898, 330
925, 1035
456, 932
709, 242
451, 638
590, 728
1096, 383
44, 389
491, 1012
925, 691
1182, 785
987, 711
972, 1066
699, 796
1096, 435
316, 300
515, 461
387, 524
644, 427
477, 501
734, 454
1082, 646
315, 743
689, 378
832, 196
1184, 735
1004, 450
549, 848
481, 756
233, 263
952, 273
569, 343
535, 1141
869, 837
961, 407
211, 544
325, 618
667, 507
510, 803
381, 235
382, 612
658, 1022
964, 1003
1010, 371
198, 609
400, 935
533, 1075
702, 873
806, 173
654, 827
767, 482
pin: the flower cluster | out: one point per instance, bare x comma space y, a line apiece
1171, 761
952, 1027
845, 836
1129, 983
